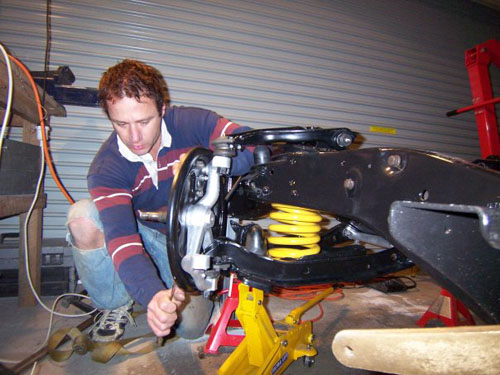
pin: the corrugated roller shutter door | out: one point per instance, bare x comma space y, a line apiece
390, 65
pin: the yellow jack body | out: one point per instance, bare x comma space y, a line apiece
266, 349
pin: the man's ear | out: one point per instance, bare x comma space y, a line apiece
163, 109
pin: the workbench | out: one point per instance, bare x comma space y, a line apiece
24, 114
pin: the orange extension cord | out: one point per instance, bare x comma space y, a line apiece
305, 293
42, 125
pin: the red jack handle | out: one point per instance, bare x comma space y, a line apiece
471, 107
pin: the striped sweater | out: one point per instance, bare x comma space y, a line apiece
120, 187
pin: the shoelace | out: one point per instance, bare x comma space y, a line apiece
113, 317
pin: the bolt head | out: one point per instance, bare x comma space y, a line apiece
349, 183
344, 140
210, 218
394, 160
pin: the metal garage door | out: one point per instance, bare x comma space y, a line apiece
389, 69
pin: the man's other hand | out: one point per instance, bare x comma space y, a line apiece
162, 310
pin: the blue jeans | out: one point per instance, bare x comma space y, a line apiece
99, 277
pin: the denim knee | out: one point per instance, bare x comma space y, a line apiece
95, 267
84, 208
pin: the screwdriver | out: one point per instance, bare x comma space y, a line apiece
160, 340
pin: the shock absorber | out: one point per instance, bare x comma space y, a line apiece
299, 228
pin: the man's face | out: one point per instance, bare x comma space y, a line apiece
138, 124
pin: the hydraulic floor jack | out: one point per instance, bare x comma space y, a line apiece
269, 349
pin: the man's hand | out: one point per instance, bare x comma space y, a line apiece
162, 310
175, 167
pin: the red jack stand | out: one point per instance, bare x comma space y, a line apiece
477, 61
447, 309
218, 332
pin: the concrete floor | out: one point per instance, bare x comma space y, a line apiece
24, 329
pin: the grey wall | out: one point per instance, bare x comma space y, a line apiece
392, 64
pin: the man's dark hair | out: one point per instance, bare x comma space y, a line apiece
133, 79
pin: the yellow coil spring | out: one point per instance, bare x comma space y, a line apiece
302, 226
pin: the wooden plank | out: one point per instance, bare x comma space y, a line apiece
23, 101
430, 351
34, 238
25, 115
11, 205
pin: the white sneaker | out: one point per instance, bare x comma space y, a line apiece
111, 324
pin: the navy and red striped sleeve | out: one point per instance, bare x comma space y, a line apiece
111, 194
191, 126
244, 159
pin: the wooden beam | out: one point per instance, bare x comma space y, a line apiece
34, 238
11, 205
23, 101
25, 114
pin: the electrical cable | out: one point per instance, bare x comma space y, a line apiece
44, 154
51, 321
305, 293
48, 40
8, 102
44, 137
34, 367
28, 273
318, 317
26, 253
